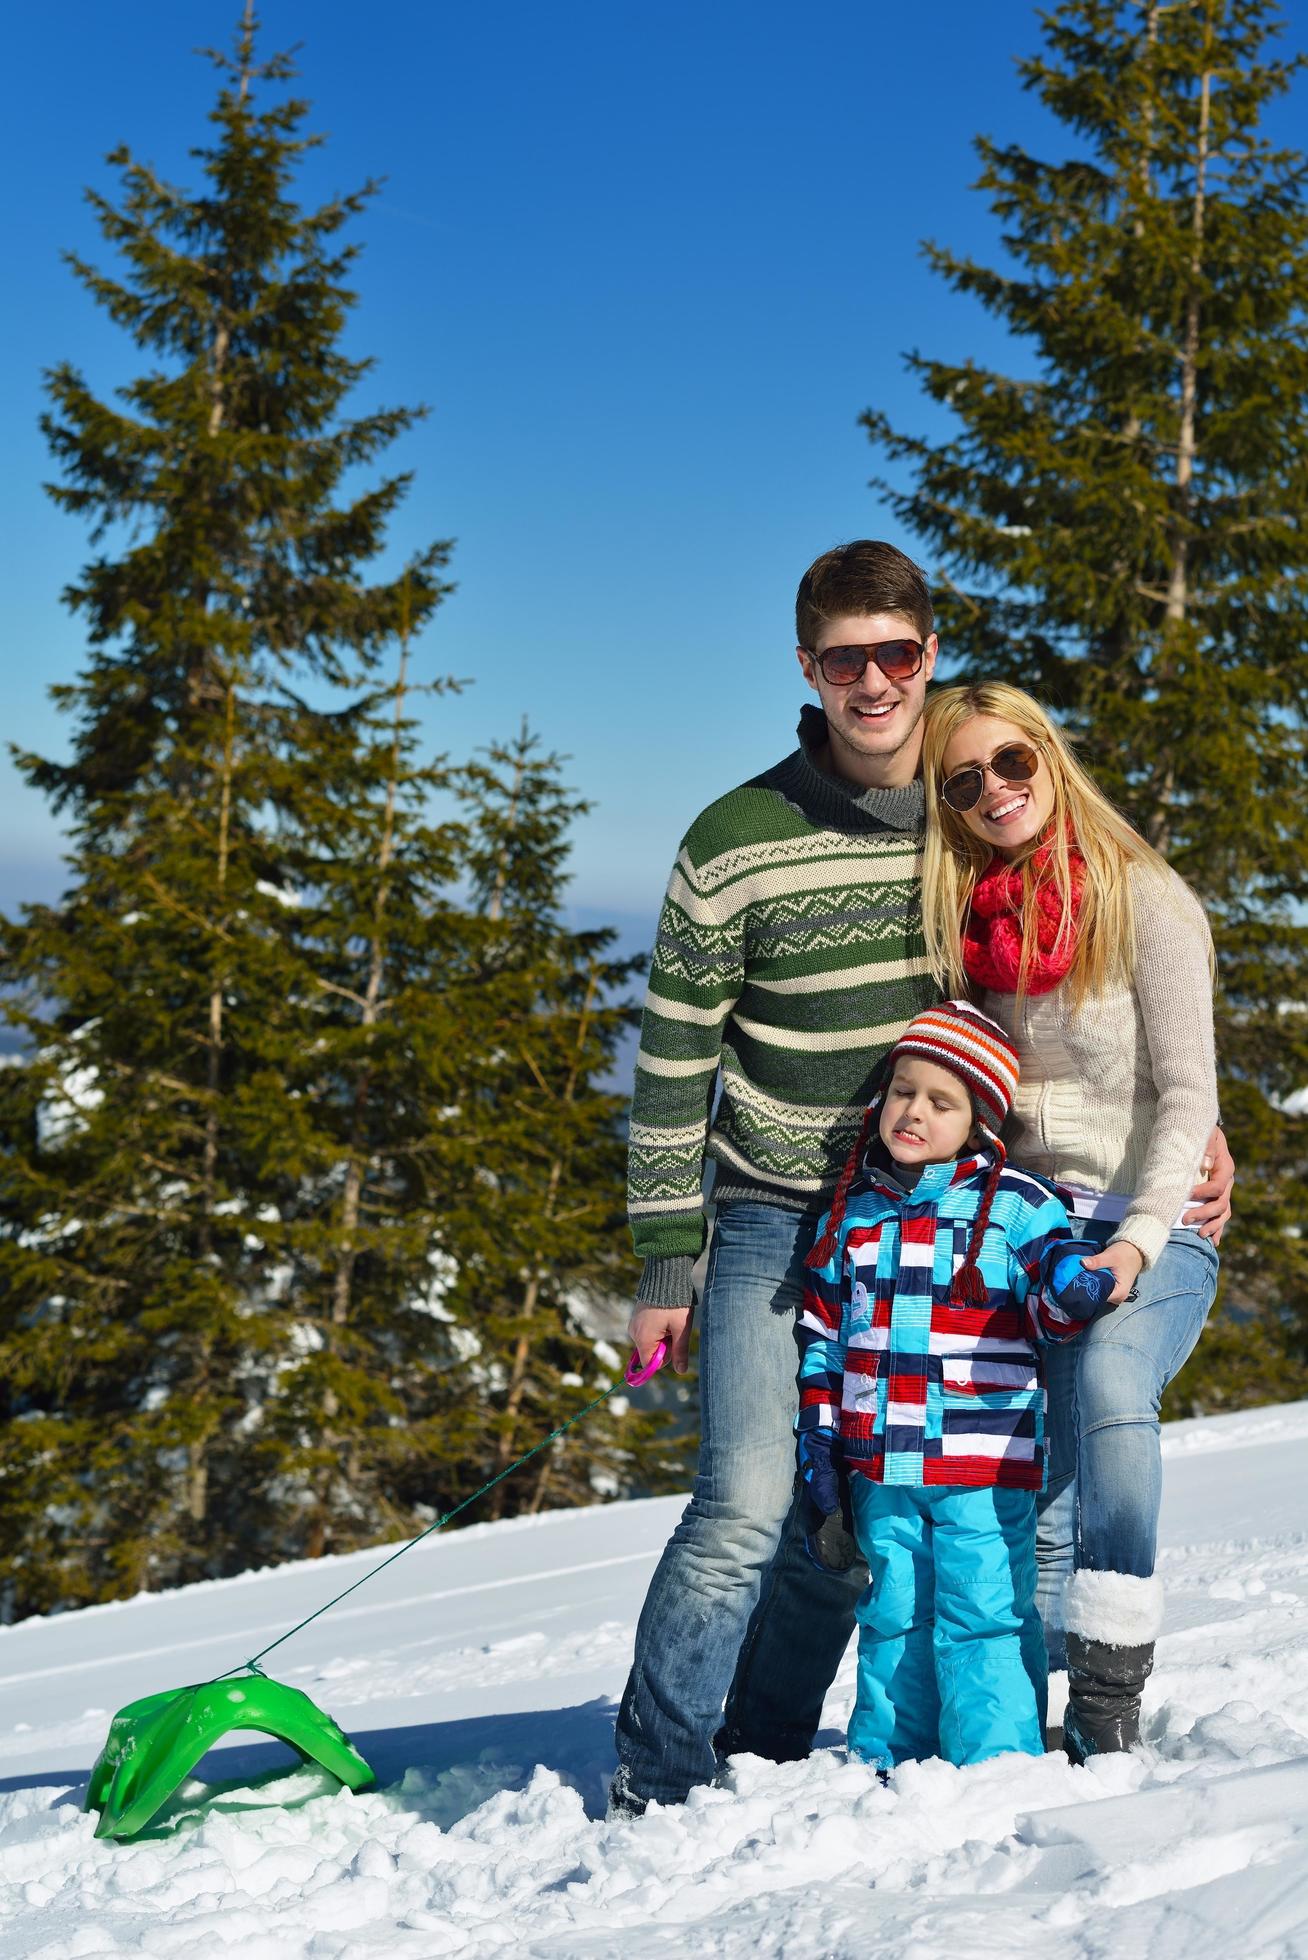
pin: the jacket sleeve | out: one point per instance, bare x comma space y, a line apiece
1174, 992
695, 980
822, 1336
1034, 1249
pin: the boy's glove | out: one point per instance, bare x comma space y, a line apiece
1079, 1289
818, 1452
824, 1502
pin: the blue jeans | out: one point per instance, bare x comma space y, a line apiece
1100, 1506
707, 1583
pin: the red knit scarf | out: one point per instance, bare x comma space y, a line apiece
992, 931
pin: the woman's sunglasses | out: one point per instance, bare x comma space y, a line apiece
1016, 762
898, 660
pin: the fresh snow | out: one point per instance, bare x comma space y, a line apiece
479, 1677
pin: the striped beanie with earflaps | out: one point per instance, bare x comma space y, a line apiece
958, 1037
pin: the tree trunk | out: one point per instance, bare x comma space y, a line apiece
197, 1469
506, 1441
536, 1503
1121, 642
1178, 588
353, 1188
197, 1499
1158, 826
495, 904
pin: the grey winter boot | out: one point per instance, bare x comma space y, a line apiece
1113, 1620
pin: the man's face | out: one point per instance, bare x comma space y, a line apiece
876, 723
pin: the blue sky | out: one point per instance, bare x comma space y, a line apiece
646, 264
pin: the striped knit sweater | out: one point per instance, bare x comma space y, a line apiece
789, 957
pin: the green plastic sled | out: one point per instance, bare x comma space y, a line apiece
155, 1743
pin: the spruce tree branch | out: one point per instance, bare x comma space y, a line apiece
530, 1060
183, 911
155, 1163
346, 993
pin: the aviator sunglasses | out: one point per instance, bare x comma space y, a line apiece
898, 660
1016, 762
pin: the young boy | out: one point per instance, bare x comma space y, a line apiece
935, 1273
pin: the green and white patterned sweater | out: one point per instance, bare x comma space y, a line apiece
790, 956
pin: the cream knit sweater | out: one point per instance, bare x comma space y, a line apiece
1122, 1096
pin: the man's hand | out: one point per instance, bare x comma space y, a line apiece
1124, 1261
1211, 1198
650, 1325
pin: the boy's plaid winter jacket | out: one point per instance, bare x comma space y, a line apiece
918, 1390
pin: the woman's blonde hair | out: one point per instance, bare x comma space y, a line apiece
1104, 927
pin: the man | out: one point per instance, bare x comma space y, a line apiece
790, 956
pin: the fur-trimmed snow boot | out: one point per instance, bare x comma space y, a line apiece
1113, 1620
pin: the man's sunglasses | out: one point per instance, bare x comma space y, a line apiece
898, 660
1016, 762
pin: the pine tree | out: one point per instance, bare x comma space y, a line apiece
148, 1187
1122, 530
541, 1214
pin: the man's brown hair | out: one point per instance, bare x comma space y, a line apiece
863, 577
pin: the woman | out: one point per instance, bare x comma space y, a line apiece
1059, 920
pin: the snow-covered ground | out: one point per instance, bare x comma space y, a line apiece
479, 1677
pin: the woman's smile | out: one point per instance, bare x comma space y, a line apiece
1008, 809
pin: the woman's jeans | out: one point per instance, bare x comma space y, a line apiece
705, 1587
1100, 1505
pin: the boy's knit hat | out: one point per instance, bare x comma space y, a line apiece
958, 1037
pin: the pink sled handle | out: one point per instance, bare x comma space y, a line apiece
635, 1374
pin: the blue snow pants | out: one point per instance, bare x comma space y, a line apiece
951, 1651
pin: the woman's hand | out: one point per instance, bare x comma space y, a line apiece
1125, 1261
650, 1325
1211, 1197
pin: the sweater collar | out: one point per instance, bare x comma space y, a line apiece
839, 805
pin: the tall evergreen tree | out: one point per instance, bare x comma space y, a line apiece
1123, 529
143, 1204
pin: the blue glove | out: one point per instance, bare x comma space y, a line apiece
819, 1469
1079, 1289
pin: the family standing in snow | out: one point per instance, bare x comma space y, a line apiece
901, 852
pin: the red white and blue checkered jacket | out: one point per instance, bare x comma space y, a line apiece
918, 1390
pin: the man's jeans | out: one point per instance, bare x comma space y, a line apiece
1100, 1505
698, 1609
